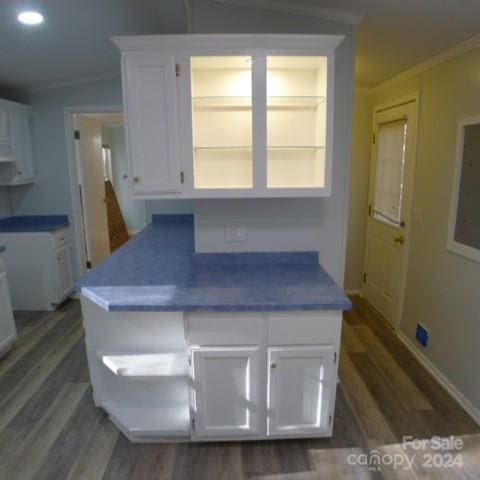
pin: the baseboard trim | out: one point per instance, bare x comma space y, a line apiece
358, 293
464, 402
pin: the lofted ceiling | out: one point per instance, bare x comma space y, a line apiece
74, 40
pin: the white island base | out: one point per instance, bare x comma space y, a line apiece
204, 376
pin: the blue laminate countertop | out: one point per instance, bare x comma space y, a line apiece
33, 223
158, 271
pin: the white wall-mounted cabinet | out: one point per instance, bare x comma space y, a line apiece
40, 268
229, 116
16, 155
8, 332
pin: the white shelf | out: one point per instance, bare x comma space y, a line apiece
246, 102
234, 147
295, 147
144, 365
294, 102
162, 419
222, 102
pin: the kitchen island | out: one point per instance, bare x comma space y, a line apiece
204, 347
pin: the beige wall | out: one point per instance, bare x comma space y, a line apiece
357, 220
443, 289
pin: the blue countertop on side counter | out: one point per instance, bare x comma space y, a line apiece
33, 223
159, 271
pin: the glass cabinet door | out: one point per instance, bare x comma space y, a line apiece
296, 121
222, 121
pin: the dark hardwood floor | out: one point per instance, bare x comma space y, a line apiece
50, 429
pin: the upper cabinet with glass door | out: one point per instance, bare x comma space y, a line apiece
229, 116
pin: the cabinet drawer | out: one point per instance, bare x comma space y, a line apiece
224, 328
304, 328
60, 238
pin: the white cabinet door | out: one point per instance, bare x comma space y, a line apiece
150, 91
22, 147
64, 273
7, 324
5, 138
226, 396
6, 152
300, 390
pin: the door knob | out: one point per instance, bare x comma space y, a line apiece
136, 179
273, 365
399, 239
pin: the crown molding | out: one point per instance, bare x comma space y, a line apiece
300, 7
67, 83
436, 60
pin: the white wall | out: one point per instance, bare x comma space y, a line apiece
51, 193
443, 289
317, 224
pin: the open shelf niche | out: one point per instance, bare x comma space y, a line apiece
144, 365
296, 121
162, 419
222, 121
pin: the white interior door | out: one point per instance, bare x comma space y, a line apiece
390, 201
95, 209
226, 392
300, 390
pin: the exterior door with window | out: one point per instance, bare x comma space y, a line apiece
390, 200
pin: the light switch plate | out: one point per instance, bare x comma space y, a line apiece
235, 232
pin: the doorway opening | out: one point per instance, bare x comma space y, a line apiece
108, 216
389, 208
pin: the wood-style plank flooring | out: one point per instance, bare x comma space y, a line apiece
50, 429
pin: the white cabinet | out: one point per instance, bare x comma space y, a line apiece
8, 331
63, 272
229, 116
17, 167
6, 144
39, 268
226, 391
262, 375
150, 91
301, 383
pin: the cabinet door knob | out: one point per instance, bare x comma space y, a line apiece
399, 240
136, 179
273, 365
19, 172
124, 176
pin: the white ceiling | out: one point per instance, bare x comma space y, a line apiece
74, 40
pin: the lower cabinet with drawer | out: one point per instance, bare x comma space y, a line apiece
176, 376
39, 268
265, 375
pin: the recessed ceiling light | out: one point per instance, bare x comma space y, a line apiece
30, 18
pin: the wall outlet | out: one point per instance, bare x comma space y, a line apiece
422, 335
235, 232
